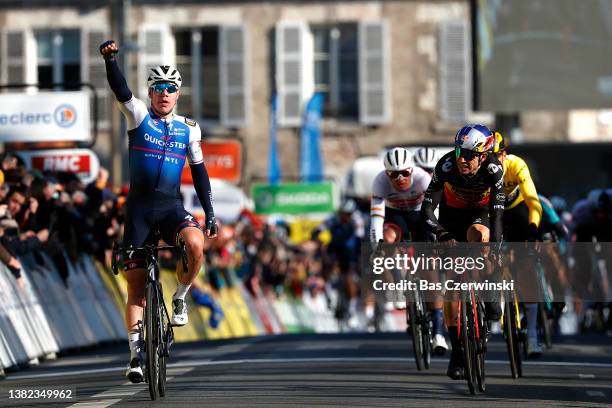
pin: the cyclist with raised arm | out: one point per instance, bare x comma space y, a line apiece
471, 182
159, 142
397, 194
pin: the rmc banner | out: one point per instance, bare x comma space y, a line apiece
45, 116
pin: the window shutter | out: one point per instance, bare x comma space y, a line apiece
294, 71
374, 90
94, 72
455, 74
154, 48
14, 44
233, 76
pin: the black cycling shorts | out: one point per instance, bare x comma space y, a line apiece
458, 220
410, 224
516, 223
146, 218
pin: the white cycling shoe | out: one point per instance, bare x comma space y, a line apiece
134, 371
179, 313
439, 345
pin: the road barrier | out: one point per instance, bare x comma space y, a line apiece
82, 304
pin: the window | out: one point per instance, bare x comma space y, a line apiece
58, 57
348, 63
335, 69
197, 59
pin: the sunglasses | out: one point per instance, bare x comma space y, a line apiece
395, 174
465, 153
160, 88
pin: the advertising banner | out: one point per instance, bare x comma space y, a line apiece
293, 198
223, 161
45, 116
228, 200
82, 162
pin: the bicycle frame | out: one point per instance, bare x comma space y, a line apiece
155, 332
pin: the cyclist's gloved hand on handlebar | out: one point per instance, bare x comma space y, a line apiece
532, 234
211, 228
108, 49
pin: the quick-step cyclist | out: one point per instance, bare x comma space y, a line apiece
159, 142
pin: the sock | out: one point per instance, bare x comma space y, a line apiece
438, 321
532, 320
352, 306
181, 291
135, 344
369, 311
454, 339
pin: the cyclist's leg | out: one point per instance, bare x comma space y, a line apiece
135, 234
517, 221
456, 221
177, 225
436, 308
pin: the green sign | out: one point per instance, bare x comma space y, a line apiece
293, 198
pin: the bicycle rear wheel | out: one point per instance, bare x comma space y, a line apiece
511, 334
417, 335
152, 339
468, 348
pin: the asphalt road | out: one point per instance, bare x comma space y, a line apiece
348, 370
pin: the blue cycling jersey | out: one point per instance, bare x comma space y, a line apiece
158, 148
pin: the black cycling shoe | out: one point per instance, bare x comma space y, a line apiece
455, 367
493, 311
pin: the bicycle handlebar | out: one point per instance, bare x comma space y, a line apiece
118, 250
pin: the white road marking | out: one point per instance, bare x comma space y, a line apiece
95, 404
595, 394
209, 362
586, 375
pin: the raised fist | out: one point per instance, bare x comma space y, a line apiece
108, 49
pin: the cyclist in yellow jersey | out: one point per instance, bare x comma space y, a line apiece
522, 216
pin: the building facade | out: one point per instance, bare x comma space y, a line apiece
391, 72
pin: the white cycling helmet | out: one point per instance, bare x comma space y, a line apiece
164, 73
398, 159
426, 158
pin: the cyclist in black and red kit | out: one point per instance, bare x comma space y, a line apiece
471, 181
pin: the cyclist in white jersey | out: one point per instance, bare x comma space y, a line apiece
397, 194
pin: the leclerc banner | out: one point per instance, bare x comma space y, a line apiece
44, 117
293, 198
223, 161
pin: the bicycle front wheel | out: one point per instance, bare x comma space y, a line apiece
152, 339
468, 348
511, 334
417, 335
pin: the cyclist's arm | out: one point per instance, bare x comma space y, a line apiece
497, 200
529, 193
133, 108
432, 199
117, 81
201, 181
377, 219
